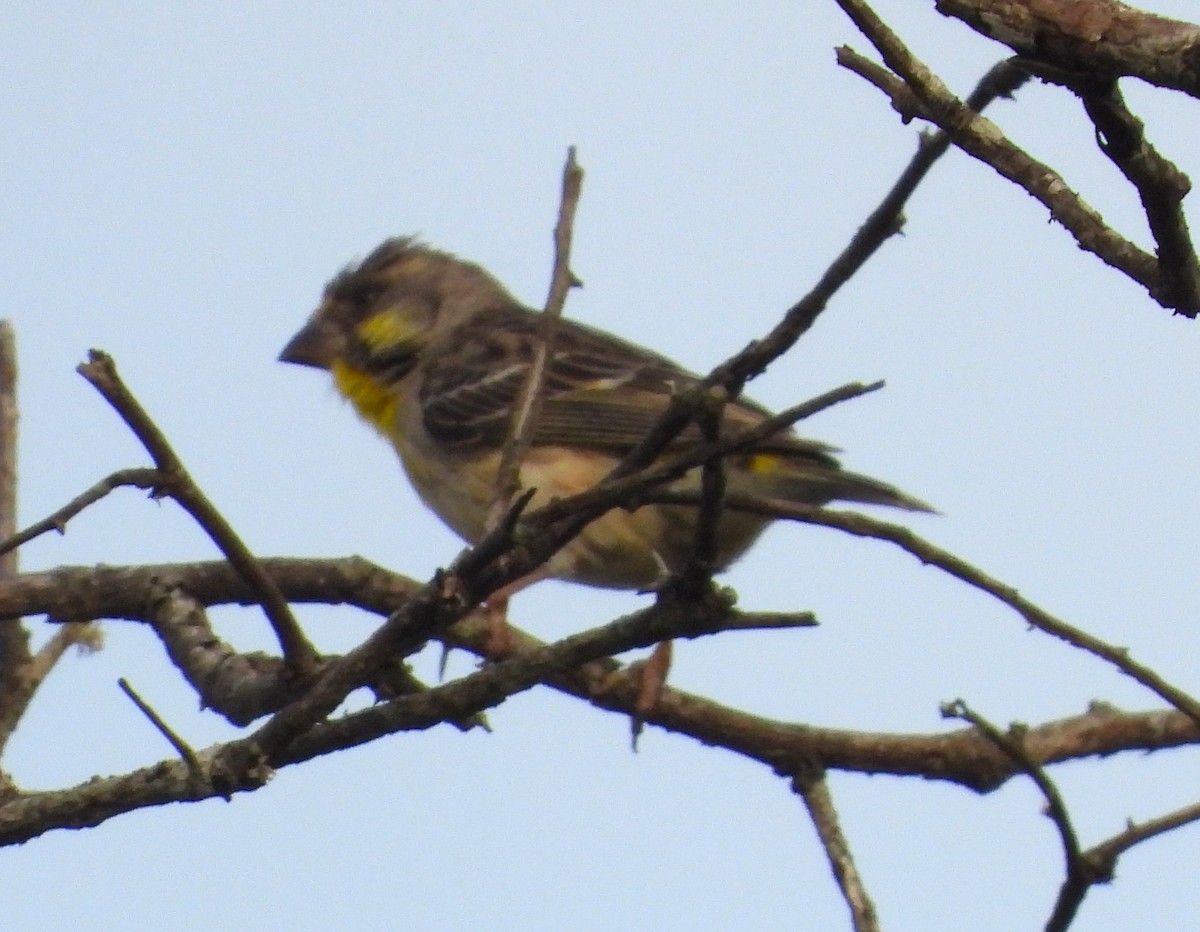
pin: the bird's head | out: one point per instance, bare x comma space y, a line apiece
375, 319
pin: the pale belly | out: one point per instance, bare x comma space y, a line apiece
618, 550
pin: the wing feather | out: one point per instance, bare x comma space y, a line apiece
601, 392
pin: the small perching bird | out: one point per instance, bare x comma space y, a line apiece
435, 353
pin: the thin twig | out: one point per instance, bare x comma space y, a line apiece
1079, 878
769, 621
613, 491
530, 402
1104, 855
141, 478
883, 222
702, 562
813, 788
182, 748
861, 525
101, 372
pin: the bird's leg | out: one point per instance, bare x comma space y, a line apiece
495, 609
652, 678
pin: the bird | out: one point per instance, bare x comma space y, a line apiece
434, 353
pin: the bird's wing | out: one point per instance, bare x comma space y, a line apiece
601, 393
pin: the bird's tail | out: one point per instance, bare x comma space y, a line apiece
819, 484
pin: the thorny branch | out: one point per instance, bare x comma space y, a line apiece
174, 480
963, 757
138, 478
861, 525
1103, 857
1078, 871
298, 705
1172, 277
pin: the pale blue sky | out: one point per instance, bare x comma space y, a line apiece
182, 180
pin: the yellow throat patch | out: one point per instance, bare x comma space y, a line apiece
375, 402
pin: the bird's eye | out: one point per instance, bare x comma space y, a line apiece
390, 364
366, 295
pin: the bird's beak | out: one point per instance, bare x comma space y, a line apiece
317, 345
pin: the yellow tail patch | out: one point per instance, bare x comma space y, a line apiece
761, 463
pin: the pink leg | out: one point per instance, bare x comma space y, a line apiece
653, 678
499, 640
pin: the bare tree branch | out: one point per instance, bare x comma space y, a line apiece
139, 478
299, 691
632, 488
1078, 879
1159, 183
1104, 855
960, 757
175, 481
182, 747
15, 689
1102, 37
813, 788
530, 402
919, 92
861, 525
